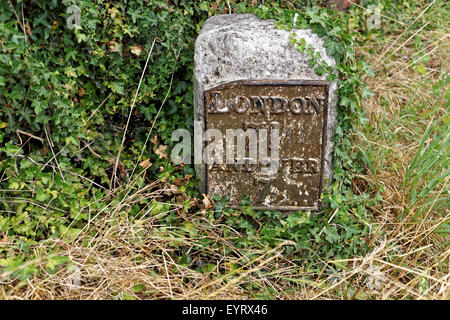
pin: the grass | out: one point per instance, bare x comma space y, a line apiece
406, 146
407, 138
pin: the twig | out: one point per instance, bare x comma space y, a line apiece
30, 135
154, 120
401, 46
93, 152
385, 51
51, 159
50, 143
18, 20
381, 15
93, 113
113, 178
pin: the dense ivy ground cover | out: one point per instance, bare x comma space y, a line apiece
52, 84
65, 98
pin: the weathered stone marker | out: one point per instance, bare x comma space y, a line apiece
249, 77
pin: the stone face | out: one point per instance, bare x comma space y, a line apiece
247, 75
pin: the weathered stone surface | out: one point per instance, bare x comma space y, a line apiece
235, 49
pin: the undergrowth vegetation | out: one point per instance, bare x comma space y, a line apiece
92, 207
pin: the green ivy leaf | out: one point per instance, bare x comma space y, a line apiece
117, 87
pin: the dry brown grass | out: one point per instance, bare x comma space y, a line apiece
121, 254
420, 255
408, 259
124, 255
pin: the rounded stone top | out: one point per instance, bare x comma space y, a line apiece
226, 20
234, 47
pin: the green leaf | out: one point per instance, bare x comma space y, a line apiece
117, 87
421, 69
367, 69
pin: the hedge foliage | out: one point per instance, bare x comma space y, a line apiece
52, 84
66, 96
